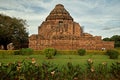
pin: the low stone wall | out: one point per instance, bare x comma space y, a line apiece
71, 44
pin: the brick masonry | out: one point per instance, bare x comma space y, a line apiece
60, 31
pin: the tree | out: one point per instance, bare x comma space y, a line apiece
13, 30
115, 38
106, 39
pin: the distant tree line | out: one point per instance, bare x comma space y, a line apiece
13, 30
115, 38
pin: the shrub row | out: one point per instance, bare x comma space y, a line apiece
30, 70
64, 52
75, 52
67, 52
38, 52
24, 51
7, 51
49, 52
27, 50
95, 52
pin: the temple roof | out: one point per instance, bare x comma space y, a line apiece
59, 12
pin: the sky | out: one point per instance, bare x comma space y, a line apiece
98, 17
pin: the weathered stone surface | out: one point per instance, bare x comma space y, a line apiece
60, 31
59, 13
1, 47
10, 46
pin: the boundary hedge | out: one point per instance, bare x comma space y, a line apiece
63, 52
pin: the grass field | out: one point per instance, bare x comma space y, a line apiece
59, 59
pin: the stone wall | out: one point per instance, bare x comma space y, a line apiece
89, 44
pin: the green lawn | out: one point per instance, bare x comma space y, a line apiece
59, 59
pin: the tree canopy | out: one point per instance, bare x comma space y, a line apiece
115, 38
13, 30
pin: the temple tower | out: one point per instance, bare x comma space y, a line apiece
59, 25
60, 31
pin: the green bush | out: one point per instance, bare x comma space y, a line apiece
24, 51
50, 52
81, 52
17, 52
113, 54
55, 52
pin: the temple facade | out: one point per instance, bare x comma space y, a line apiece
61, 32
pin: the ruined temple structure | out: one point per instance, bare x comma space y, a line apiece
60, 31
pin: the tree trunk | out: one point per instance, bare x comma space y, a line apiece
5, 46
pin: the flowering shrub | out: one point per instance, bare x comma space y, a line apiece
101, 71
115, 70
28, 69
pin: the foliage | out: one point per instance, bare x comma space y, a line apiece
13, 30
17, 52
100, 71
3, 54
113, 54
24, 51
38, 52
29, 69
117, 49
81, 52
115, 38
115, 70
50, 52
7, 51
95, 52
67, 52
73, 71
106, 39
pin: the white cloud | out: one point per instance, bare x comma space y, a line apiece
94, 15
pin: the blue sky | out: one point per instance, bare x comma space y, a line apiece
99, 17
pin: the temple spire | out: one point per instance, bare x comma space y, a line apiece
59, 13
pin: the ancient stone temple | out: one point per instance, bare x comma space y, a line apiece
60, 31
